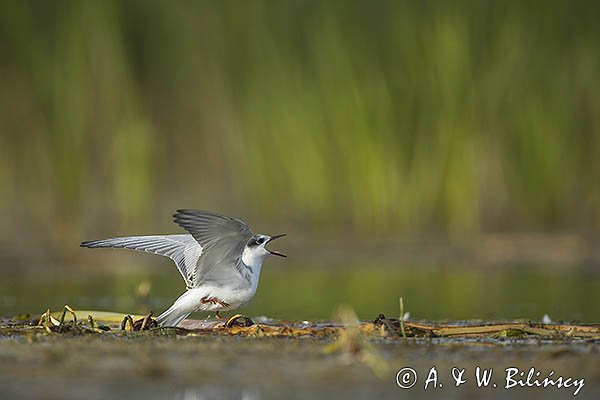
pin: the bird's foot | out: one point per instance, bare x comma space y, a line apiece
216, 301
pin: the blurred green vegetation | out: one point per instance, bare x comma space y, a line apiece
377, 116
297, 292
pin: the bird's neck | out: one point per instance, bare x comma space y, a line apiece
254, 260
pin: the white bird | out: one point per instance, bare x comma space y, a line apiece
220, 261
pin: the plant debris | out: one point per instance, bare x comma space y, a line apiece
239, 320
505, 329
142, 324
100, 322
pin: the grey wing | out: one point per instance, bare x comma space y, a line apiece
222, 239
184, 250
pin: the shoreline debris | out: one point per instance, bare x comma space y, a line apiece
103, 322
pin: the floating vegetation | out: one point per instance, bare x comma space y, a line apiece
486, 330
51, 324
349, 332
142, 324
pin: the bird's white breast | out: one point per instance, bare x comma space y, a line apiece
253, 258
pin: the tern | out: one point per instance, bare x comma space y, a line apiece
219, 259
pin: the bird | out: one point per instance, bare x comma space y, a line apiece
219, 258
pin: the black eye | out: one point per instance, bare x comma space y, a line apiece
260, 240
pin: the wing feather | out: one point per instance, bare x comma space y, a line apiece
222, 240
184, 250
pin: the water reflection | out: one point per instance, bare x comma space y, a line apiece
315, 292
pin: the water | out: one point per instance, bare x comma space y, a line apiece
208, 367
313, 292
137, 366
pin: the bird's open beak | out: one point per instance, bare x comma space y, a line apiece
275, 253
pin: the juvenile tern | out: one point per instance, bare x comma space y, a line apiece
219, 259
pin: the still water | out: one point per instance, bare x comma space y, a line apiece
313, 292
223, 367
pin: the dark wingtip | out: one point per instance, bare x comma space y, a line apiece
184, 211
187, 211
89, 244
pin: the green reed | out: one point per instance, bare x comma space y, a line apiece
386, 116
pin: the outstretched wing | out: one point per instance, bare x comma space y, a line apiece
222, 240
183, 249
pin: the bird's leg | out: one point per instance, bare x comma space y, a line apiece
214, 300
220, 317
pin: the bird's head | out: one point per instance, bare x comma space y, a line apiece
256, 247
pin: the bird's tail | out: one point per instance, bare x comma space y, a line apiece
172, 317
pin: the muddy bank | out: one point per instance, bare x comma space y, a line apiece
275, 359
